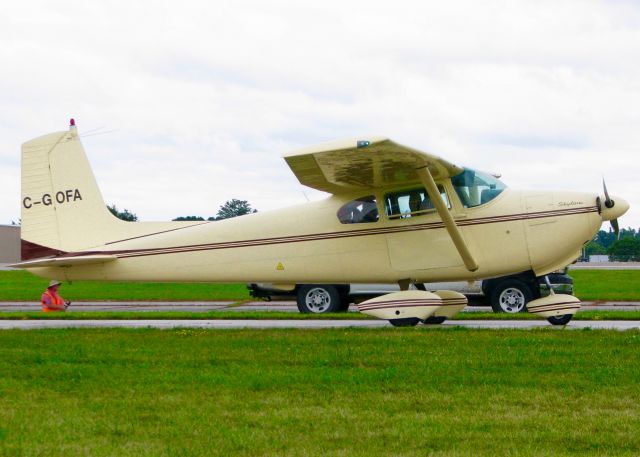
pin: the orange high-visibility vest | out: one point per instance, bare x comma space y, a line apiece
55, 300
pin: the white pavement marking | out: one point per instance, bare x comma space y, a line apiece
574, 325
605, 266
257, 324
188, 306
222, 323
248, 306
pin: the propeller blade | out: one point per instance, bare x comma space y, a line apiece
616, 228
607, 200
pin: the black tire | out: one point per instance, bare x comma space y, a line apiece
345, 301
510, 296
318, 298
560, 320
435, 320
405, 322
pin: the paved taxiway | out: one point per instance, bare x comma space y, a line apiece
248, 306
306, 324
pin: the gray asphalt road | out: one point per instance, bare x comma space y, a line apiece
578, 265
605, 266
250, 306
316, 324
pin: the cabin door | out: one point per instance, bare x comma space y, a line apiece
419, 240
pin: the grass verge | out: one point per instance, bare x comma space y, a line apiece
359, 392
606, 285
23, 286
590, 285
283, 315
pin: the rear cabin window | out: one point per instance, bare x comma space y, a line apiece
476, 188
359, 211
411, 203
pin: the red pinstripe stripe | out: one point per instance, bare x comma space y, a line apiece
328, 235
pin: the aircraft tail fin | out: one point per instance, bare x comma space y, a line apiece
61, 205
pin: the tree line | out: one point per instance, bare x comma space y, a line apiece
231, 208
624, 249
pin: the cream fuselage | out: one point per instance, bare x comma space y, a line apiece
517, 231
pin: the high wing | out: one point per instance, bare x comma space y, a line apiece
364, 164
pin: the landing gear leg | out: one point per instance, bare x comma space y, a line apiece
561, 307
405, 284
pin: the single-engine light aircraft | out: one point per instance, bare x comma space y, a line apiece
395, 214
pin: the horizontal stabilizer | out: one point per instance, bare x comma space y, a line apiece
65, 261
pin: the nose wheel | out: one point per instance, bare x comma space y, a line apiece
560, 320
405, 322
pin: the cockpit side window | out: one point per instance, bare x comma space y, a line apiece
476, 188
358, 211
411, 203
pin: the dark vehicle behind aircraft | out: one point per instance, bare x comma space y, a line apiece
506, 294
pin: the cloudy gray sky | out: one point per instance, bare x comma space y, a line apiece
184, 105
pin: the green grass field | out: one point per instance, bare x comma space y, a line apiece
589, 315
414, 392
606, 285
590, 285
23, 286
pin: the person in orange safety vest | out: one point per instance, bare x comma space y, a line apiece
51, 300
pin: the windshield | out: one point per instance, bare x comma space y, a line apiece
476, 188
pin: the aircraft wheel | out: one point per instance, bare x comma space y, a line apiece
405, 322
435, 320
510, 296
560, 320
318, 298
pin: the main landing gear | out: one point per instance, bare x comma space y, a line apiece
410, 307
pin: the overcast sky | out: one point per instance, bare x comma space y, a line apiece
184, 105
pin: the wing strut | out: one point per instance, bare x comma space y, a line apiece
445, 215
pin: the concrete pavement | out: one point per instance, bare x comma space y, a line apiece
248, 306
306, 324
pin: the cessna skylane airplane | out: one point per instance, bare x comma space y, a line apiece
395, 215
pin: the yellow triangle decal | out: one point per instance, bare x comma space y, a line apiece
280, 267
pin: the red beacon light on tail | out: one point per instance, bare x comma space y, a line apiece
72, 122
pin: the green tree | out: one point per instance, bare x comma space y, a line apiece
125, 215
625, 250
189, 218
605, 239
595, 248
233, 208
